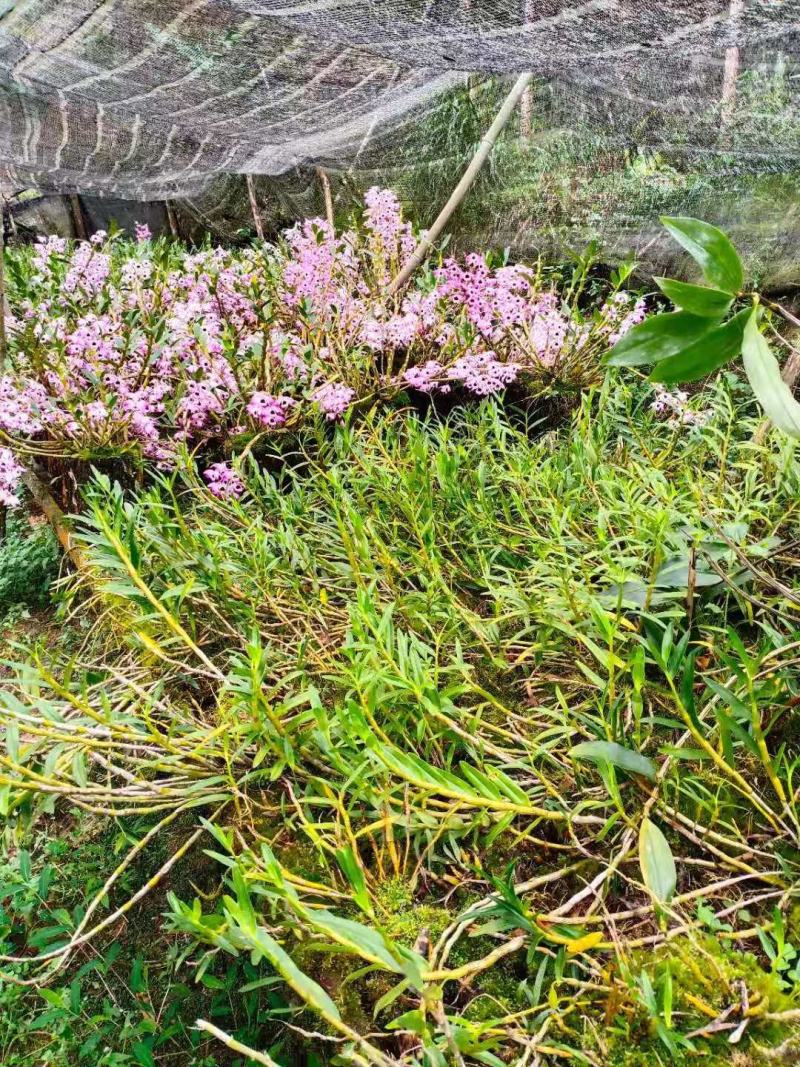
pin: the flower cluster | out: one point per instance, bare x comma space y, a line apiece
136, 347
269, 410
333, 399
223, 481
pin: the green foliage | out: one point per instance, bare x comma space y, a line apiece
382, 738
694, 341
611, 752
764, 375
29, 562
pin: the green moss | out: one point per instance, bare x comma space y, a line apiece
704, 971
403, 919
497, 992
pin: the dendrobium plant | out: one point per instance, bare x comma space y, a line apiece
122, 348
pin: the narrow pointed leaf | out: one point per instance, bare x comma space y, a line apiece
712, 351
356, 937
711, 249
658, 338
771, 391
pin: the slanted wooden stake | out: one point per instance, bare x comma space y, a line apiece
251, 193
171, 219
326, 189
78, 218
470, 174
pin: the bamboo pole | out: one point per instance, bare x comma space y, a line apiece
3, 339
470, 174
251, 194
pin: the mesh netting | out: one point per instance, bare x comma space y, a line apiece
639, 106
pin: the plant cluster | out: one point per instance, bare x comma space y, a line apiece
126, 350
490, 738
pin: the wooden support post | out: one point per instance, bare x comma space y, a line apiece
526, 115
326, 190
78, 217
526, 103
730, 74
470, 174
251, 193
171, 219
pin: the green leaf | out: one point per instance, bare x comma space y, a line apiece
346, 858
610, 752
143, 1055
764, 374
711, 249
696, 299
657, 338
79, 769
712, 351
657, 863
389, 998
138, 981
12, 741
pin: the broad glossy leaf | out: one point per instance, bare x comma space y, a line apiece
657, 338
712, 351
696, 299
711, 249
674, 573
764, 374
656, 862
610, 752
